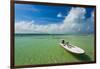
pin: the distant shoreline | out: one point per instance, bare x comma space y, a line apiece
50, 34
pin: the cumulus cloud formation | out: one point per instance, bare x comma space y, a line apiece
73, 23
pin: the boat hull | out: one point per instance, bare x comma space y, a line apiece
73, 49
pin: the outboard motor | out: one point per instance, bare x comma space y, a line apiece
63, 42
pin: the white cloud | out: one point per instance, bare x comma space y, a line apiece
59, 15
71, 24
90, 22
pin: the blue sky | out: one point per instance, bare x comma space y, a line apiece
53, 19
46, 14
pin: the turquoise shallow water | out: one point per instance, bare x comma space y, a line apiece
45, 49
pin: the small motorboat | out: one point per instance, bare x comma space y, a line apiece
72, 48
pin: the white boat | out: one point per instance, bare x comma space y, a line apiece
73, 49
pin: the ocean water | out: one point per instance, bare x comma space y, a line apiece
45, 49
